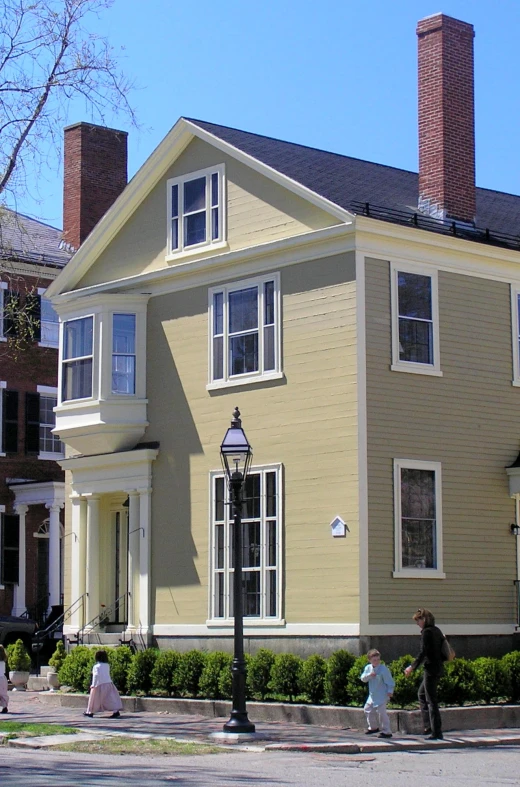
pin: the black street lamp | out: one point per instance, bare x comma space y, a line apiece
236, 455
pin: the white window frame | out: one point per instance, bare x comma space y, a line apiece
401, 572
248, 621
259, 375
209, 243
42, 343
3, 288
133, 355
515, 332
3, 384
399, 365
64, 361
47, 390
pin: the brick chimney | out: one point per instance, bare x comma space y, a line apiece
95, 174
446, 118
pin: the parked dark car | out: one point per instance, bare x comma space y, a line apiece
13, 628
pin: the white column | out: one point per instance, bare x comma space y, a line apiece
134, 537
92, 573
77, 562
19, 605
54, 554
145, 510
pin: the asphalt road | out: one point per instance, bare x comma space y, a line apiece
443, 768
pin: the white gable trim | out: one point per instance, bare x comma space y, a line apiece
147, 178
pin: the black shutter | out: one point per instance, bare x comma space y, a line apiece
11, 313
10, 422
33, 305
10, 549
32, 423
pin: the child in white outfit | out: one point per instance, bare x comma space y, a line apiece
380, 689
4, 695
103, 693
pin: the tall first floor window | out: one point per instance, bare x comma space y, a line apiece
261, 546
9, 548
418, 514
77, 361
245, 330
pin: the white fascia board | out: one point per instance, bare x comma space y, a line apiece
450, 629
119, 459
314, 244
387, 241
273, 174
147, 178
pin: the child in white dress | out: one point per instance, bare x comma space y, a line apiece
4, 695
103, 694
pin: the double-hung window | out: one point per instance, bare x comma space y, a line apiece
48, 329
9, 304
123, 354
196, 210
261, 547
415, 322
245, 331
418, 519
40, 420
77, 360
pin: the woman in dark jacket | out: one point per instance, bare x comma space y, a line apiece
430, 656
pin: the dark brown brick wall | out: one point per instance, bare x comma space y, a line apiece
95, 174
446, 115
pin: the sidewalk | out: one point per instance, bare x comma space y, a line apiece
283, 736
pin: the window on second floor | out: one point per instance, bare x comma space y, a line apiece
9, 301
196, 210
123, 354
418, 519
415, 323
48, 328
40, 420
9, 419
77, 360
245, 331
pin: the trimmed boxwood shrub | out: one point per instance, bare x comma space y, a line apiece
314, 670
406, 686
163, 675
511, 665
188, 672
259, 673
458, 684
493, 681
76, 670
357, 692
139, 676
58, 657
338, 666
209, 684
119, 659
286, 675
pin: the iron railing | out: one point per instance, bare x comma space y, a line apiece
104, 617
57, 624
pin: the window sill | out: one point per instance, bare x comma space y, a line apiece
52, 456
516, 383
48, 344
228, 623
261, 378
194, 250
419, 573
416, 368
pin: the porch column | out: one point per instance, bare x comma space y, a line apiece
145, 510
92, 574
78, 561
19, 605
134, 537
54, 554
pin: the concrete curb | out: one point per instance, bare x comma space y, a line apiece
489, 717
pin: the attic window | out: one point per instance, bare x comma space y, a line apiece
196, 210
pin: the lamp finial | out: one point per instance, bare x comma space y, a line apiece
236, 422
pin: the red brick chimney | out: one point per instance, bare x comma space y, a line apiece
446, 118
95, 174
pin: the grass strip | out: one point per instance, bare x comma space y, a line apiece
25, 729
138, 746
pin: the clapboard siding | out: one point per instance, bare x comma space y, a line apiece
469, 420
258, 211
307, 422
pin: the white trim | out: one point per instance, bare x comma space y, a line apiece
179, 181
415, 573
47, 389
410, 366
515, 331
364, 570
52, 345
288, 629
450, 629
3, 384
257, 282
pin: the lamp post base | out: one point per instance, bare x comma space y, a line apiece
238, 723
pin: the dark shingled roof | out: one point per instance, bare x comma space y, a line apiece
345, 180
28, 240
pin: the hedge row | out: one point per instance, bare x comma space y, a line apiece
285, 677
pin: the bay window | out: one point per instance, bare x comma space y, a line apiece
123, 354
77, 359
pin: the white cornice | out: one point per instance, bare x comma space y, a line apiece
120, 459
147, 178
243, 262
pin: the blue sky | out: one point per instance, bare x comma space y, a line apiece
336, 75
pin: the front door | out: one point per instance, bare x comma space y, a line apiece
120, 524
